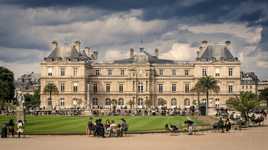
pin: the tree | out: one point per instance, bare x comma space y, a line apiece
198, 89
246, 102
51, 89
32, 100
7, 87
208, 84
264, 95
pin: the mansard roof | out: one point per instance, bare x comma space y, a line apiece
68, 52
218, 52
143, 57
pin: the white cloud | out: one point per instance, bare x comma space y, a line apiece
180, 51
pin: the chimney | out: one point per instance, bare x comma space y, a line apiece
156, 51
131, 53
54, 44
77, 45
227, 44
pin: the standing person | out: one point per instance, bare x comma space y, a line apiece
11, 127
221, 124
189, 124
90, 126
124, 126
4, 131
228, 125
20, 129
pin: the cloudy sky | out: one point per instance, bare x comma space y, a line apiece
111, 27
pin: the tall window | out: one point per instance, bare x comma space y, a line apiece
49, 71
122, 72
230, 71
140, 102
62, 71
186, 72
108, 101
62, 86
75, 87
173, 87
186, 88
121, 88
204, 72
140, 87
95, 88
217, 72
108, 87
109, 72
61, 101
173, 72
230, 88
97, 72
186, 102
75, 71
94, 101
161, 72
160, 88
120, 101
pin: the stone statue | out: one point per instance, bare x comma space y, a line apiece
20, 115
20, 99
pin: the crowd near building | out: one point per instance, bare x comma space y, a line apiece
141, 80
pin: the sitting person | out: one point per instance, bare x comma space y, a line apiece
90, 126
11, 127
228, 125
172, 128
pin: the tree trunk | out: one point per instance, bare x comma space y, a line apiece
207, 103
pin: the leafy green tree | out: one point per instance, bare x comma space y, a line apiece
208, 84
32, 100
246, 102
198, 89
264, 95
51, 89
7, 87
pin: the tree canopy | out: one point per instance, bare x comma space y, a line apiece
246, 102
7, 87
264, 95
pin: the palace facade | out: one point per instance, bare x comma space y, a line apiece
138, 81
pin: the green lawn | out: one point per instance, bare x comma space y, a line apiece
77, 125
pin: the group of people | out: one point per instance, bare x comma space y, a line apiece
174, 129
11, 128
109, 128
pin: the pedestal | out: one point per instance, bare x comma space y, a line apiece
20, 114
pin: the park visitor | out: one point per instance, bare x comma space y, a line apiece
20, 129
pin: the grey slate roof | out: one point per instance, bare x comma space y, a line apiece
68, 52
143, 57
218, 52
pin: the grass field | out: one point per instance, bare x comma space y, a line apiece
77, 124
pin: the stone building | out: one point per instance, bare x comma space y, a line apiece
249, 82
141, 80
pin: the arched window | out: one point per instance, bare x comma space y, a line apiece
140, 102
114, 102
161, 102
120, 101
187, 102
173, 102
107, 101
94, 101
